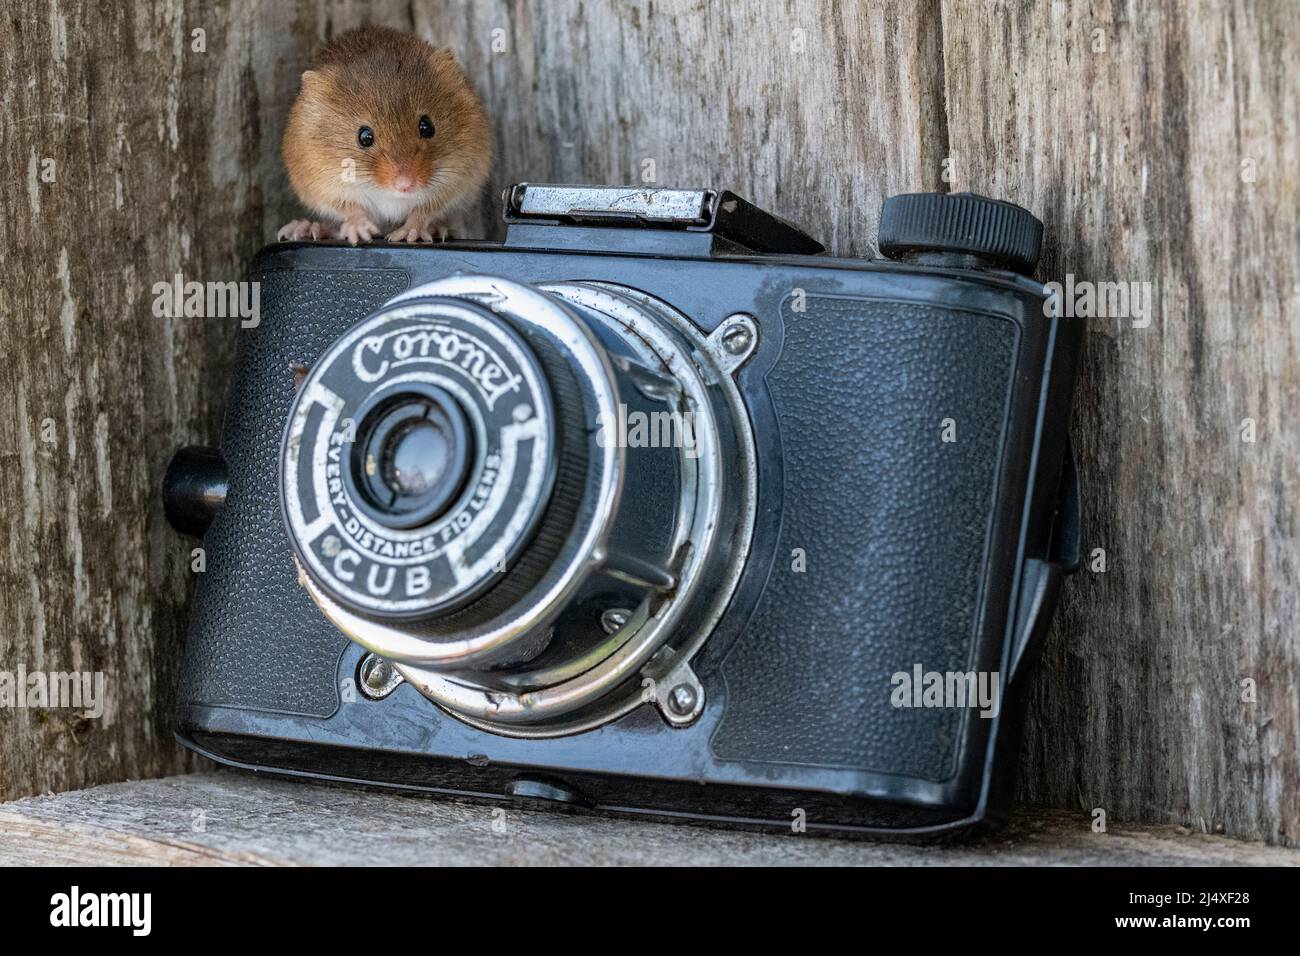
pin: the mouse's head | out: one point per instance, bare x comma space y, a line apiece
396, 123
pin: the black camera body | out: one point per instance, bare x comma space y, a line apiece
651, 508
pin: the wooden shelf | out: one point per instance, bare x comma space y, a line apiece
229, 818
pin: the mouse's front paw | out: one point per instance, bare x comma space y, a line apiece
357, 229
301, 229
418, 228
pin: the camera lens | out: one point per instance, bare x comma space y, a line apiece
420, 461
415, 459
478, 475
412, 456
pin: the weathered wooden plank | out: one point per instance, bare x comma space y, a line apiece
228, 818
131, 156
1159, 143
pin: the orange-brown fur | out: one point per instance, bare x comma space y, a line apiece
386, 80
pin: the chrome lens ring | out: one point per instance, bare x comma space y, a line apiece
715, 530
518, 630
653, 539
433, 353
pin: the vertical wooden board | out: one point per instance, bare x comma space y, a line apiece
1159, 144
133, 156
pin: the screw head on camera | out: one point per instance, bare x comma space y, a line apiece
998, 233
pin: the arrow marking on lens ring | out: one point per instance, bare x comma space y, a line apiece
490, 299
323, 395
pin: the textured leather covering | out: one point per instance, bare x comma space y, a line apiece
256, 640
893, 522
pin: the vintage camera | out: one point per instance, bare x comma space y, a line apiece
650, 508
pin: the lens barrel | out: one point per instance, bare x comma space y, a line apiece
468, 494
419, 459
411, 457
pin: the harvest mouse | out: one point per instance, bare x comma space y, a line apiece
386, 134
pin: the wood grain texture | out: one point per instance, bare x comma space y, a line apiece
813, 109
130, 157
229, 819
1169, 156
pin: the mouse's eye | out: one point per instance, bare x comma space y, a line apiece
366, 137
426, 127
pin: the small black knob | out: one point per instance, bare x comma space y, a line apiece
998, 234
194, 489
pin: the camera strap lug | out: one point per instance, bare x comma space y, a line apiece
1043, 576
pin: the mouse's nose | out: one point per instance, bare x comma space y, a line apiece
403, 183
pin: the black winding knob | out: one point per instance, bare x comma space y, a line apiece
998, 234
